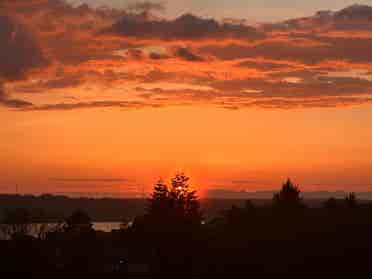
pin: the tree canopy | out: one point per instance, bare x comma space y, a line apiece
289, 197
175, 206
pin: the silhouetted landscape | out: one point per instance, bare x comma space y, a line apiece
56, 208
154, 138
169, 233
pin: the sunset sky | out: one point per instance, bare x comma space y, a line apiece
108, 96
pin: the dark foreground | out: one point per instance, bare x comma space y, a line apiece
315, 243
171, 240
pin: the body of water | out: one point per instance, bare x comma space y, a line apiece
106, 226
98, 226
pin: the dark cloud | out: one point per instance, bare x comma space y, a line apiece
282, 65
187, 27
87, 105
56, 9
15, 103
355, 17
263, 65
12, 103
135, 54
323, 49
19, 51
355, 12
158, 56
67, 32
186, 54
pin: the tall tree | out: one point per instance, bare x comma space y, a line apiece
351, 201
175, 205
185, 202
158, 205
289, 196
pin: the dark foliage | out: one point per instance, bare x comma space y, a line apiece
79, 221
171, 209
289, 198
282, 238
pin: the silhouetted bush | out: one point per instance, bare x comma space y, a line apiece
79, 221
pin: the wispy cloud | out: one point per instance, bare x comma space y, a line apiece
89, 179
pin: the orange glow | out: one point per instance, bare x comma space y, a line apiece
233, 106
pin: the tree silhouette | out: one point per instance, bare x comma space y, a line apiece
289, 196
239, 216
173, 207
249, 206
330, 204
158, 205
351, 201
79, 221
183, 200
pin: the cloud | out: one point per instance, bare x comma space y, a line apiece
186, 54
15, 103
353, 50
146, 7
89, 179
158, 56
19, 51
354, 17
12, 103
264, 65
132, 59
187, 26
90, 105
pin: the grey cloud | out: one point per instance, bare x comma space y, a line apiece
184, 27
188, 55
19, 51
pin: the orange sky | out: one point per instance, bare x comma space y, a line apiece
320, 148
109, 101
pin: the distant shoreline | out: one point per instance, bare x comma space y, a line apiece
51, 208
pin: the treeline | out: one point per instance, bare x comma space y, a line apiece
55, 208
172, 238
52, 208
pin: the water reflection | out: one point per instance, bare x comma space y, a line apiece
36, 228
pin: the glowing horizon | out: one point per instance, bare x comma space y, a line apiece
110, 100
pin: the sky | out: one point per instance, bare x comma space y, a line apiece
239, 95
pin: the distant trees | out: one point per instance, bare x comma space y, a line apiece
350, 201
330, 204
17, 223
239, 216
173, 207
79, 221
289, 197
